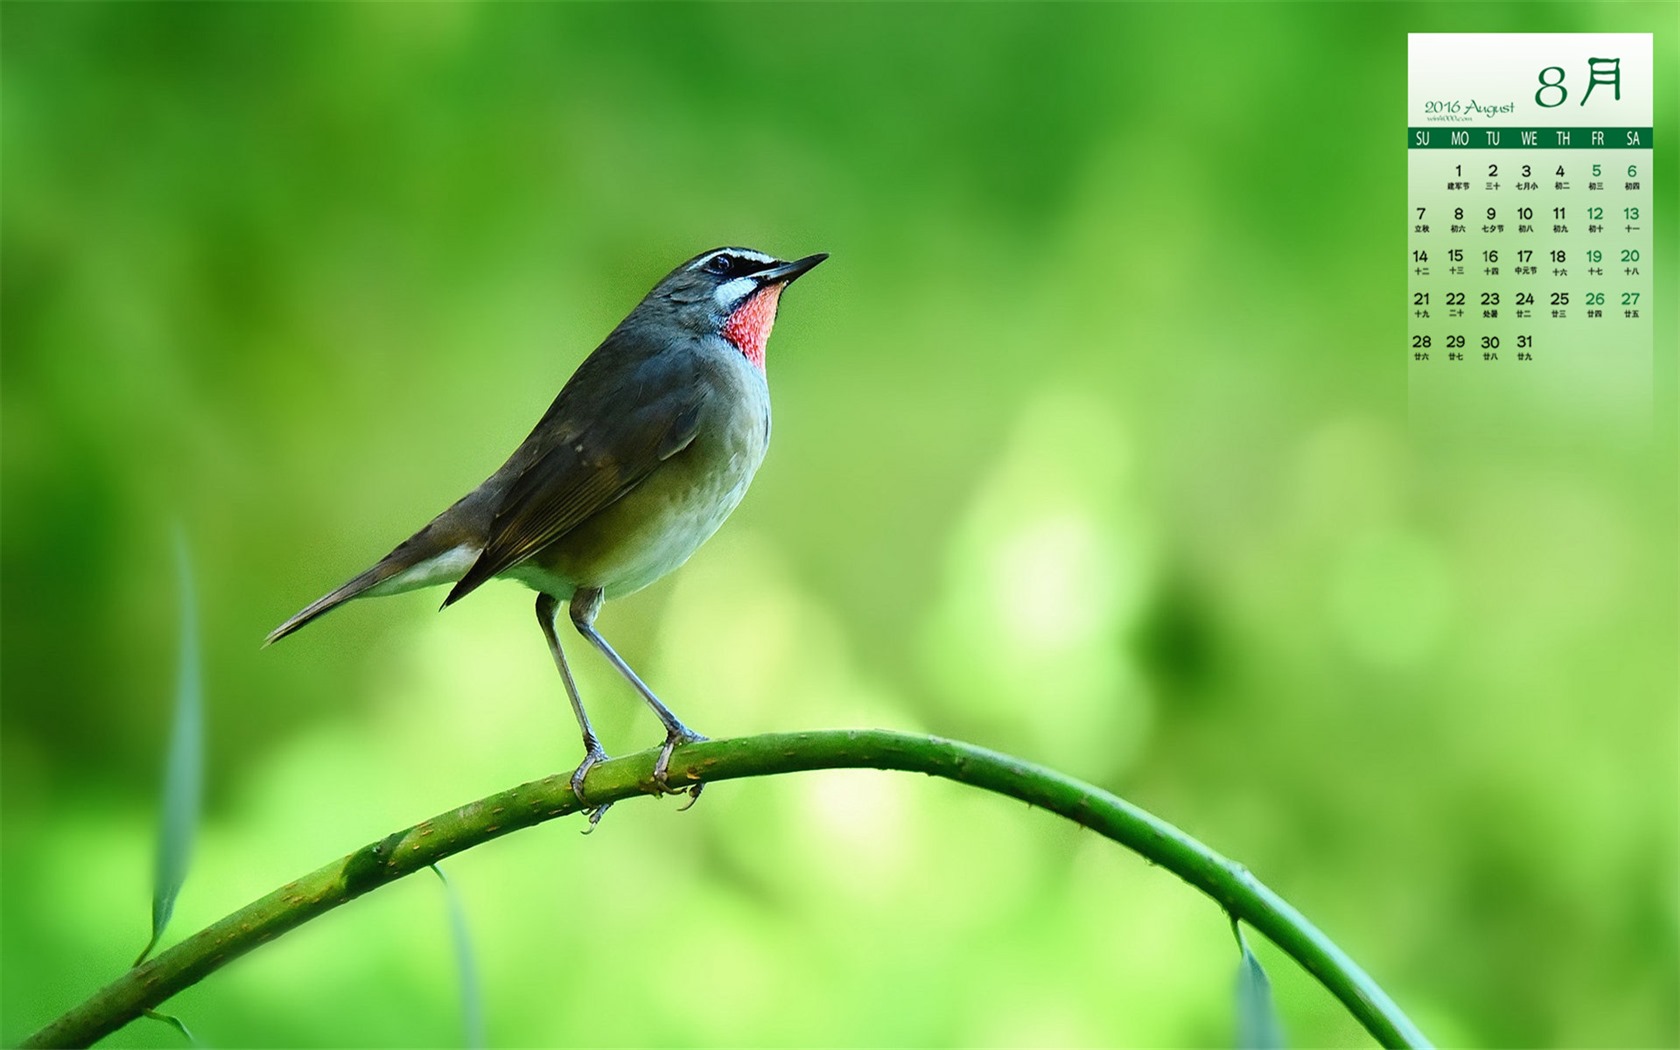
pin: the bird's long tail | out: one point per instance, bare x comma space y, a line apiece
423, 559
327, 602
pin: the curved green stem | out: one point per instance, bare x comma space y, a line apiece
1237, 892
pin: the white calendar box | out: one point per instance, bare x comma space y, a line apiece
1529, 230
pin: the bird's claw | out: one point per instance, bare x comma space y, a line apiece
595, 814
595, 754
662, 768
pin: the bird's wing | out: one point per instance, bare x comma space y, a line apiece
602, 436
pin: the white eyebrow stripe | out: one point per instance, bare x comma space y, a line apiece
739, 253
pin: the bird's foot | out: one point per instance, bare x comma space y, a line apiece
595, 813
674, 738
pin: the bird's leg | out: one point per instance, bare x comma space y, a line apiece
585, 604
548, 611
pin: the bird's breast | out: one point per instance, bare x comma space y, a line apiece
656, 526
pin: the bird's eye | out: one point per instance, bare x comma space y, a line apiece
721, 264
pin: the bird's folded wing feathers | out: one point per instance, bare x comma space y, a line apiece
574, 469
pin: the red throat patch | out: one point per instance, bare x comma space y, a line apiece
749, 326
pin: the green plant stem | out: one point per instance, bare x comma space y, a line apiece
1240, 894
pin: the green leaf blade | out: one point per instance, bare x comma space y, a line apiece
184, 765
1257, 1021
472, 1003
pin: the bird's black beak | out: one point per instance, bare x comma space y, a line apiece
788, 272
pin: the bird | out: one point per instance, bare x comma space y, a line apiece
645, 451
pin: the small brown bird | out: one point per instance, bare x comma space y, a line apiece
648, 447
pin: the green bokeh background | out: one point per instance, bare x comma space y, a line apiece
1091, 445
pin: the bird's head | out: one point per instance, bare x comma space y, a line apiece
731, 293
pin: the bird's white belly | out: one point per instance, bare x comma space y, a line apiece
657, 531
656, 526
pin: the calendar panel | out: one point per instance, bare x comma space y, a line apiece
1529, 230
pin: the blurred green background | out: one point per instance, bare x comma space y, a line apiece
1091, 445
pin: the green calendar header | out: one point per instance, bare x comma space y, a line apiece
1448, 137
